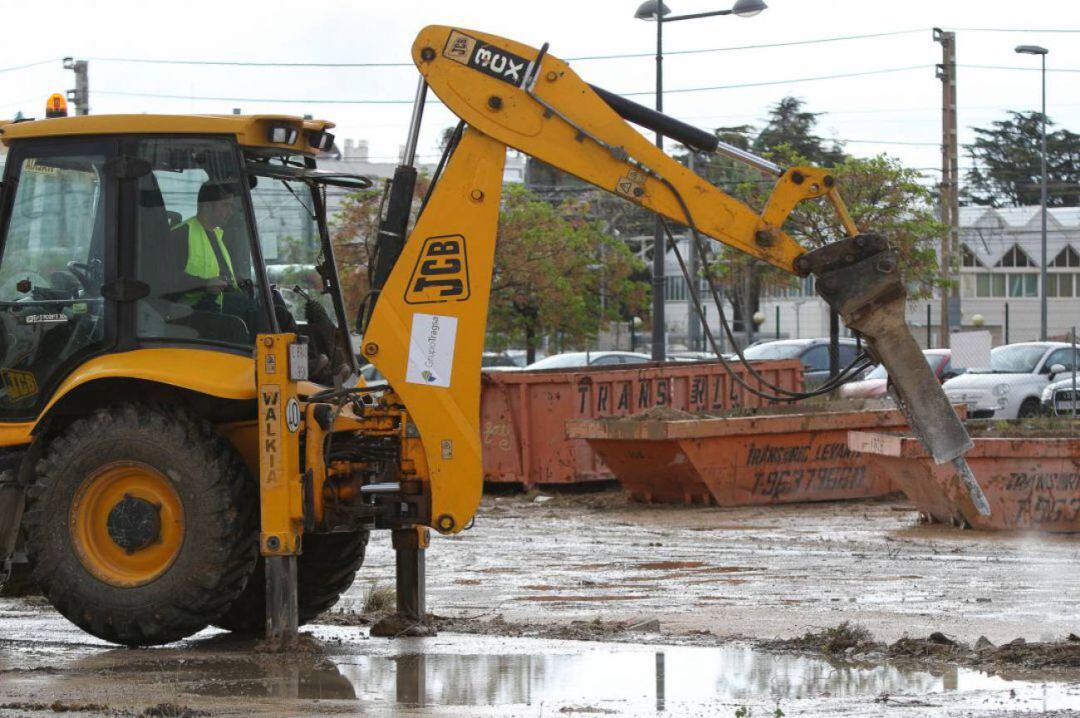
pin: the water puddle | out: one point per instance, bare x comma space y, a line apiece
487, 675
456, 670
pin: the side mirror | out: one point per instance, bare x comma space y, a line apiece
1057, 369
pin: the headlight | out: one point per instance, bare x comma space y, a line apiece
282, 135
1001, 390
1048, 393
321, 141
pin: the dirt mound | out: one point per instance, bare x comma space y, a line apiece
662, 413
936, 646
845, 639
595, 630
851, 642
172, 710
56, 707
1062, 654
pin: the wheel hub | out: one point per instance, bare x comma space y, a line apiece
126, 523
134, 523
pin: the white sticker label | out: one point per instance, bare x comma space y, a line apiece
431, 350
292, 415
46, 319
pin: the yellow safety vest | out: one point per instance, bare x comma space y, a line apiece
202, 262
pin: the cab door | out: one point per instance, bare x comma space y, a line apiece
58, 234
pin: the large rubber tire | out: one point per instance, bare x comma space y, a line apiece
214, 543
324, 571
1030, 408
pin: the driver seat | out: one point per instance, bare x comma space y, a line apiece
158, 259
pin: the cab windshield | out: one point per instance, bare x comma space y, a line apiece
289, 200
291, 245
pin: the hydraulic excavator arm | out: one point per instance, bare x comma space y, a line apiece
409, 457
425, 331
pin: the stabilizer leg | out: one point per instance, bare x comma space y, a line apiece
282, 608
410, 619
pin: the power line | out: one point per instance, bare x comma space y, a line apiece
1011, 29
275, 100
615, 56
864, 73
889, 142
247, 63
28, 65
409, 102
1021, 69
578, 58
835, 140
618, 56
751, 47
20, 103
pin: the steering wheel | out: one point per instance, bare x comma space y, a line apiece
86, 273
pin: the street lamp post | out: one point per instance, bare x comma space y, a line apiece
1041, 52
657, 11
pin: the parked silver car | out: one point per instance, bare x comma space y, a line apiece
813, 353
1059, 397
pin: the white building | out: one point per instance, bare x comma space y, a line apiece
354, 157
999, 277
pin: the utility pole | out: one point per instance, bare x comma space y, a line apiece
659, 328
693, 321
950, 183
1041, 52
80, 96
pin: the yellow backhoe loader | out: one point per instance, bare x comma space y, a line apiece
185, 438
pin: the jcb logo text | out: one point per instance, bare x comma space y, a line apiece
441, 273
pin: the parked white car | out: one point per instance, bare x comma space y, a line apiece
1012, 386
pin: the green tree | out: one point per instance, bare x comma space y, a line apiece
557, 274
788, 137
1007, 159
793, 128
353, 230
883, 197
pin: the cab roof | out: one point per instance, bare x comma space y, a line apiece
249, 130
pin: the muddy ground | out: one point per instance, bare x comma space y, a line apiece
594, 605
756, 572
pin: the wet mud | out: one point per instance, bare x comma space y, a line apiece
753, 572
594, 605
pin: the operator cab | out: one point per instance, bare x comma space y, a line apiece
107, 243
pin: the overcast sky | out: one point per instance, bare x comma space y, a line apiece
895, 112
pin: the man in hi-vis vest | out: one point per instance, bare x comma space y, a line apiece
208, 265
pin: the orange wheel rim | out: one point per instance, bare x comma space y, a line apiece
127, 524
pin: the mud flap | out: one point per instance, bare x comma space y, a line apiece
859, 277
